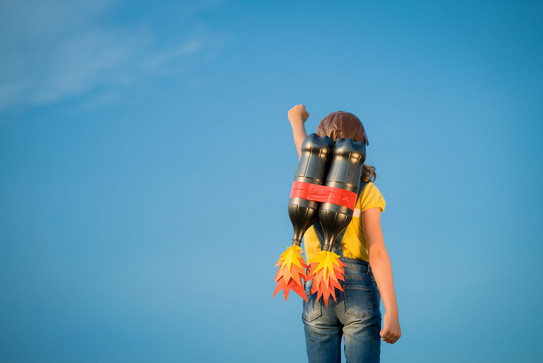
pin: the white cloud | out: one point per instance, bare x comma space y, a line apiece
65, 48
38, 20
100, 100
87, 59
161, 58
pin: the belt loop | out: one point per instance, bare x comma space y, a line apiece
369, 269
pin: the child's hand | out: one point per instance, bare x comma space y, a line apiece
297, 114
391, 331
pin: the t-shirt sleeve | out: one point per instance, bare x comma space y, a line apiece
371, 197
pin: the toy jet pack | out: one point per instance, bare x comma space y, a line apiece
324, 191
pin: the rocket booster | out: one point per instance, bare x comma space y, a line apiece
312, 168
344, 174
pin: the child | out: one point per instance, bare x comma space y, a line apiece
368, 272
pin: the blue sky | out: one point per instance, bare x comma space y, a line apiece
146, 162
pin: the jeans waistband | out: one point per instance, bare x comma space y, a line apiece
357, 264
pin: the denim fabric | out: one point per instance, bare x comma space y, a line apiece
356, 315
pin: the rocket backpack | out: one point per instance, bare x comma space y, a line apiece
324, 193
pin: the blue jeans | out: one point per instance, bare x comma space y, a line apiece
356, 315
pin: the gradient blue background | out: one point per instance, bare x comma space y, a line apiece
146, 160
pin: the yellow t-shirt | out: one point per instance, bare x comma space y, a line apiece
354, 242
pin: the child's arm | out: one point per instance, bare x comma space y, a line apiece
297, 116
382, 270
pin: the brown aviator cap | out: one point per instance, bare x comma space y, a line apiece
341, 124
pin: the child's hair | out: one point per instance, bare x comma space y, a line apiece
341, 124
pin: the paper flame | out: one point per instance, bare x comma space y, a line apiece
291, 272
326, 269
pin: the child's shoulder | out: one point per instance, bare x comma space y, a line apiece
369, 186
371, 197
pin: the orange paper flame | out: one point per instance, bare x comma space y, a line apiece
291, 272
326, 269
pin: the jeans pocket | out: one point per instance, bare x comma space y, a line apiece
358, 300
312, 309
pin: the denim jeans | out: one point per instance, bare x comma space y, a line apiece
356, 315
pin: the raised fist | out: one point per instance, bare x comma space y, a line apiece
297, 113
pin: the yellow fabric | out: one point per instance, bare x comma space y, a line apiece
354, 242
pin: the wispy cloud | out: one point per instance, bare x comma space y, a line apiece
50, 53
166, 56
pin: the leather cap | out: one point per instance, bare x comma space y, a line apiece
341, 124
